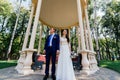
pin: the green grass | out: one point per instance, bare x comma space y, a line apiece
5, 64
114, 65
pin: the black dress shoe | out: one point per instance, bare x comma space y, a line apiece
45, 77
53, 77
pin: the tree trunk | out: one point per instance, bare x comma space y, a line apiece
13, 34
2, 26
108, 49
117, 42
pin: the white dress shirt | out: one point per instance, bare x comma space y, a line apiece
51, 39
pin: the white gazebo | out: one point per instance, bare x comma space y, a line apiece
61, 14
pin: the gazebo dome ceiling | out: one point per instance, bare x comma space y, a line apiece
59, 13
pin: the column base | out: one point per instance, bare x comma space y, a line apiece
93, 71
20, 63
25, 61
19, 67
85, 72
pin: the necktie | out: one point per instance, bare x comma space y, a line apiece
50, 39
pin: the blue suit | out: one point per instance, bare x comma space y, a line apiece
51, 52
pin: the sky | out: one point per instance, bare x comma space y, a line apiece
25, 4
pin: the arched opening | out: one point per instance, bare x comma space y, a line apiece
60, 14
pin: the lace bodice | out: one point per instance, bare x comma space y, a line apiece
63, 41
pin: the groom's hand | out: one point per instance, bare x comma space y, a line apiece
58, 52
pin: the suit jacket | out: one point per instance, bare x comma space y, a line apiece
55, 43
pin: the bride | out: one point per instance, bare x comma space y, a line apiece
65, 68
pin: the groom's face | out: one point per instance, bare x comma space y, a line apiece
52, 30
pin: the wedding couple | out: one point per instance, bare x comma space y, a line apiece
58, 46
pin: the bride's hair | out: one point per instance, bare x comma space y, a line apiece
66, 34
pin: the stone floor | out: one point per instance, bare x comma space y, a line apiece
102, 74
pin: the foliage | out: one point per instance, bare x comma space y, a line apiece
111, 27
6, 33
5, 7
108, 27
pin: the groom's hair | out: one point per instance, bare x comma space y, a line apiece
53, 28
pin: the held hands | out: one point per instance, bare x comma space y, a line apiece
58, 52
44, 52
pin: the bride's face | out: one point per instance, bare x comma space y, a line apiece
64, 32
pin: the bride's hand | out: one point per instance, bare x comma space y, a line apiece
58, 52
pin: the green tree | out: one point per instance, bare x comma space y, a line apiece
111, 24
19, 34
5, 10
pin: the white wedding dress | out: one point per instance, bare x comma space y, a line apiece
65, 68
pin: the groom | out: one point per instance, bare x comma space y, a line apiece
51, 49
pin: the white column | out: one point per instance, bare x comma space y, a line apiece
81, 24
86, 36
78, 35
32, 40
28, 28
89, 31
93, 59
60, 32
85, 62
28, 61
40, 37
22, 53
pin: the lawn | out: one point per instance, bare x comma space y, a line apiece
5, 64
114, 65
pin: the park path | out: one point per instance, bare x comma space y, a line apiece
103, 74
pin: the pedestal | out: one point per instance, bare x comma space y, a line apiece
24, 66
